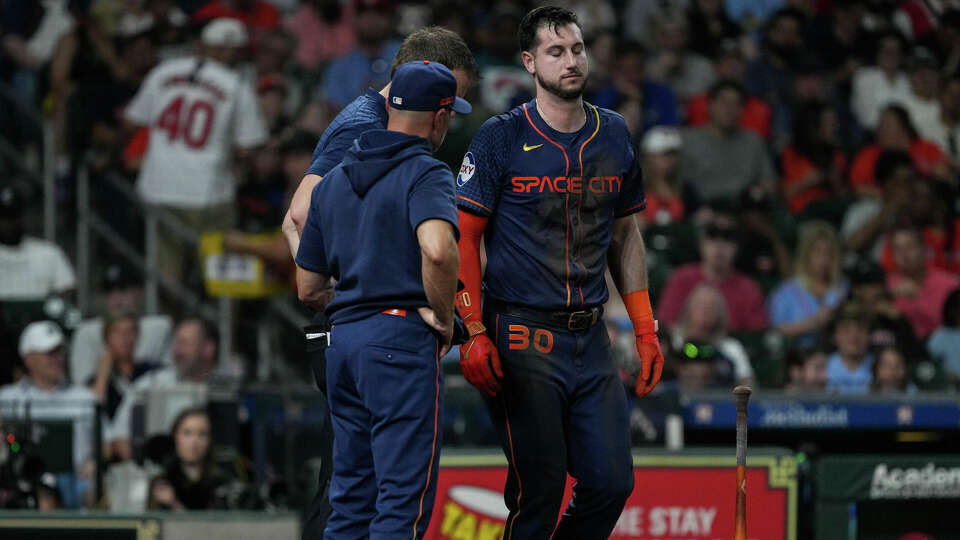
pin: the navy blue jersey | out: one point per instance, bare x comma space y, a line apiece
551, 198
361, 227
367, 112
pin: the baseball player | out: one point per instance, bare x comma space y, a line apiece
199, 111
383, 224
367, 112
553, 187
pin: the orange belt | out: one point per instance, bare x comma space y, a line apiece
395, 312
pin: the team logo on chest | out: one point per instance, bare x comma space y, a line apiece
564, 184
467, 168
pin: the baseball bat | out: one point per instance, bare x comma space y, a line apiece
742, 395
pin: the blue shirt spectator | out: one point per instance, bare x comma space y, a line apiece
802, 306
841, 380
792, 302
850, 368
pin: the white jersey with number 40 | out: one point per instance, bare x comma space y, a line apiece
197, 111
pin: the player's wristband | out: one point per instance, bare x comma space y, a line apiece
475, 328
640, 312
645, 327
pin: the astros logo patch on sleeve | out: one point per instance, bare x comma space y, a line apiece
467, 168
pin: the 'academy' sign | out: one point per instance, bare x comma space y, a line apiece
925, 482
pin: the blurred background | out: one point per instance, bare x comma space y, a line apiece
802, 231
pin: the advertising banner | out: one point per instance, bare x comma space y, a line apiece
675, 497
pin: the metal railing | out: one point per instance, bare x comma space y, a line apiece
157, 222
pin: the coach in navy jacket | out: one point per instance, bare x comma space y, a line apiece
384, 224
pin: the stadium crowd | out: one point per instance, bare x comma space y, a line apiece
800, 161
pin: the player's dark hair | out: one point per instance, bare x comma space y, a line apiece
889, 162
549, 16
436, 44
724, 85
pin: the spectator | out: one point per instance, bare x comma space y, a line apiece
123, 292
922, 102
718, 248
722, 159
876, 87
700, 366
705, 321
895, 131
673, 64
732, 66
710, 25
866, 220
919, 290
803, 306
814, 168
199, 110
368, 64
639, 17
257, 15
668, 199
655, 102
32, 269
29, 34
323, 30
889, 375
944, 343
944, 129
195, 345
806, 371
849, 368
888, 327
771, 77
838, 38
191, 479
117, 369
45, 395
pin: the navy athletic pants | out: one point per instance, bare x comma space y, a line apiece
385, 389
562, 408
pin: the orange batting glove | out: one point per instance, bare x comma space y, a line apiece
648, 346
480, 361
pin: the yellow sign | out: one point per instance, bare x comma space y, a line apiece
237, 275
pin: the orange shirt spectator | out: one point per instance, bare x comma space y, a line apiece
926, 156
895, 131
756, 114
796, 170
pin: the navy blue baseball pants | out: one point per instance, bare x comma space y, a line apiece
384, 386
561, 408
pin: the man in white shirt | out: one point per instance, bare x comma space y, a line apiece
944, 130
201, 113
44, 395
922, 100
875, 87
30, 268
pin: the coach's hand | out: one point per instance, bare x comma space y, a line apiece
651, 360
444, 329
481, 364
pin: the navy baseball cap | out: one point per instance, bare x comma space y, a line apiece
423, 85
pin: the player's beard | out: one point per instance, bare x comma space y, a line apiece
560, 92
